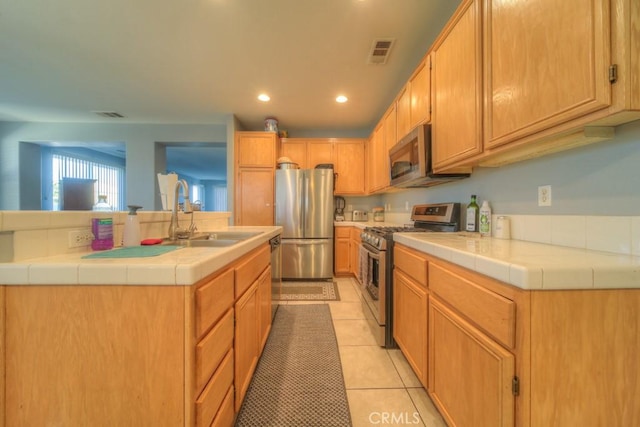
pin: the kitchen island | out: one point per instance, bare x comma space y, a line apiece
506, 332
165, 340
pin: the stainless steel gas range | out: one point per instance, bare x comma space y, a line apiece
376, 263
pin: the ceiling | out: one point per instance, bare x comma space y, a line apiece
197, 61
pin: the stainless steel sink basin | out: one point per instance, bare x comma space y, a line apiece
213, 239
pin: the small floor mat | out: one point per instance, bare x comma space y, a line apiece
298, 380
308, 291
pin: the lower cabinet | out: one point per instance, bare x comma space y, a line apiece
410, 322
470, 376
347, 251
134, 355
497, 355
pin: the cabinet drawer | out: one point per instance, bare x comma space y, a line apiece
212, 349
211, 398
250, 268
225, 414
213, 299
342, 232
491, 312
411, 263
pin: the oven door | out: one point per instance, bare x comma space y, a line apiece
374, 282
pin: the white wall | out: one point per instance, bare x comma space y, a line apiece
140, 141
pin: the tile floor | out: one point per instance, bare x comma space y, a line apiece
381, 387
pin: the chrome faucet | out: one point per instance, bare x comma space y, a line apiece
175, 232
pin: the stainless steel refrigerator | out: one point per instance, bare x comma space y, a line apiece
304, 209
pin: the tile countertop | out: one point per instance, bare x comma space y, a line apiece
184, 266
529, 265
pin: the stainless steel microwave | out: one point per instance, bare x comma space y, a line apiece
410, 161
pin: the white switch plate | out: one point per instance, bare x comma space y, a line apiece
544, 195
78, 238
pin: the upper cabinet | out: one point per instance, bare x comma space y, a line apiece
420, 84
457, 89
255, 160
346, 154
350, 167
546, 62
557, 75
381, 140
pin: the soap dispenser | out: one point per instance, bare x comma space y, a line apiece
131, 236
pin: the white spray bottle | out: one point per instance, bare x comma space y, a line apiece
131, 236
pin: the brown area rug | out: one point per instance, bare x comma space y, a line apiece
308, 291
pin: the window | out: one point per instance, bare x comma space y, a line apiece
109, 178
220, 198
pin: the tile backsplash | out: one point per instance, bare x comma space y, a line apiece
34, 234
616, 234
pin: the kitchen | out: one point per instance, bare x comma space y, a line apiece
594, 204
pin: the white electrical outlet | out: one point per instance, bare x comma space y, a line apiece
406, 206
350, 207
78, 238
544, 195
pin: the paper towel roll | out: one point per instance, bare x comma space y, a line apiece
167, 184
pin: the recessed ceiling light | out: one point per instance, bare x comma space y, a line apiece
341, 99
264, 97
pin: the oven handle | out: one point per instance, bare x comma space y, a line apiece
370, 253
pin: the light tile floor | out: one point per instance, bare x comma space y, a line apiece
381, 386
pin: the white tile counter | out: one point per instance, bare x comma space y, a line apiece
529, 265
183, 266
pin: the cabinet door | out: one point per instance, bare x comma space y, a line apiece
546, 63
470, 375
376, 149
296, 150
254, 196
349, 167
457, 91
420, 85
403, 106
319, 152
246, 344
255, 149
354, 251
341, 260
410, 322
264, 300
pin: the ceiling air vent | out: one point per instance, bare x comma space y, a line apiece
380, 50
109, 114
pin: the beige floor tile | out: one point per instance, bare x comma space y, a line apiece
368, 367
304, 302
404, 369
346, 310
426, 408
348, 291
379, 407
353, 332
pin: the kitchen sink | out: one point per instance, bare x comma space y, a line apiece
213, 239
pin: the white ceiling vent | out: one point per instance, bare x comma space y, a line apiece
380, 50
109, 114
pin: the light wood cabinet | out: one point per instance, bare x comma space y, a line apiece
403, 109
296, 150
246, 344
410, 322
308, 153
540, 71
420, 85
470, 376
134, 355
354, 250
457, 89
382, 139
350, 167
499, 355
342, 255
89, 355
255, 161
